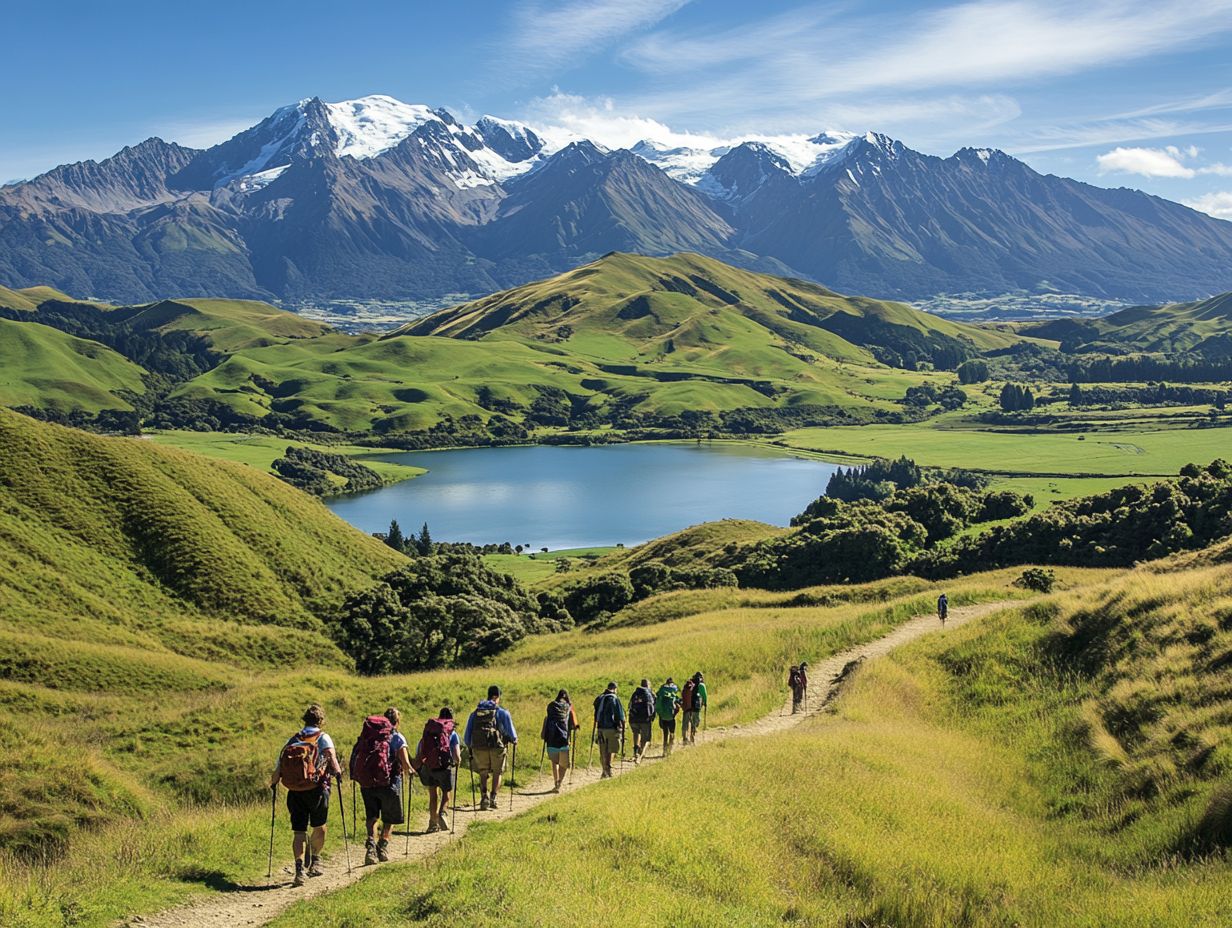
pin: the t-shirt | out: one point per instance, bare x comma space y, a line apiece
396, 744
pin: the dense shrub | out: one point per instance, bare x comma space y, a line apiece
438, 611
310, 471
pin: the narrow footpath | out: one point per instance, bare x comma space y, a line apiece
259, 904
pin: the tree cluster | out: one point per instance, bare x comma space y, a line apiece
1016, 398
442, 610
311, 471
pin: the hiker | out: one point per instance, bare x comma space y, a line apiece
943, 607
804, 683
609, 727
437, 757
641, 717
796, 686
305, 766
667, 704
488, 731
692, 701
379, 760
559, 723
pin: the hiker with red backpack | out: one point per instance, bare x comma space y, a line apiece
609, 727
560, 721
378, 762
437, 757
641, 717
489, 730
693, 702
305, 765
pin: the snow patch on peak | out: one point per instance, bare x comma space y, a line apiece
368, 126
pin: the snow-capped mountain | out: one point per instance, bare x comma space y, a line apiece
375, 198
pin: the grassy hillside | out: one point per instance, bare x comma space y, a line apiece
46, 368
1203, 326
626, 340
1063, 763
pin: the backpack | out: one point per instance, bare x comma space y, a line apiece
557, 725
641, 706
688, 696
435, 744
667, 704
607, 711
371, 764
793, 679
299, 768
485, 733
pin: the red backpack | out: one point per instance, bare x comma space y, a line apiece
688, 696
435, 746
299, 765
370, 761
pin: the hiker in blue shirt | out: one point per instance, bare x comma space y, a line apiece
489, 730
609, 727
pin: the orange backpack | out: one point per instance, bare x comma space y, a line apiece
299, 764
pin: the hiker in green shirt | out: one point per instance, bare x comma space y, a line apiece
667, 705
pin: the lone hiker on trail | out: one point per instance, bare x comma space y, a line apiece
943, 607
378, 762
795, 682
609, 727
559, 723
488, 731
667, 704
641, 717
437, 757
692, 701
305, 766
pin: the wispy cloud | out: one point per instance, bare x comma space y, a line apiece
1218, 204
551, 38
1170, 161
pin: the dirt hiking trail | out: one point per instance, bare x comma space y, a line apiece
258, 904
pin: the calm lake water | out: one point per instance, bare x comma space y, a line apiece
558, 497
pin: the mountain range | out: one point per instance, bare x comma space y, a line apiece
378, 199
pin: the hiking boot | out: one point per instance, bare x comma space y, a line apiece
492, 801
315, 869
441, 824
299, 877
382, 851
483, 803
370, 853
434, 825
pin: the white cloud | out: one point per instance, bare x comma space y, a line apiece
601, 120
554, 38
1169, 161
205, 133
1218, 204
1149, 162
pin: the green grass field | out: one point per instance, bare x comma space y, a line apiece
998, 775
536, 566
44, 367
260, 451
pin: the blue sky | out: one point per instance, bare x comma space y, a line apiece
1113, 92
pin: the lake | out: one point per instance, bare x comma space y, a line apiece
575, 497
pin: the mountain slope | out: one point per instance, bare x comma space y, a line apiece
49, 369
1202, 328
378, 199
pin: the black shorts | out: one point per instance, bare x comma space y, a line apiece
383, 802
668, 725
441, 779
308, 807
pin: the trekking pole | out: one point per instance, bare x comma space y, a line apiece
543, 750
406, 822
346, 844
470, 765
572, 753
354, 815
513, 774
622, 749
591, 753
453, 813
273, 815
705, 717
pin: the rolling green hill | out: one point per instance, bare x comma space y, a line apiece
624, 340
44, 367
1203, 327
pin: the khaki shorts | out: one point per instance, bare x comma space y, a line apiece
640, 730
609, 740
488, 760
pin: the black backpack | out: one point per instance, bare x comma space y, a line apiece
556, 726
607, 711
641, 705
485, 733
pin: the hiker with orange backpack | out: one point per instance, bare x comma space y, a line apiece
305, 765
379, 761
489, 730
693, 702
560, 721
437, 757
